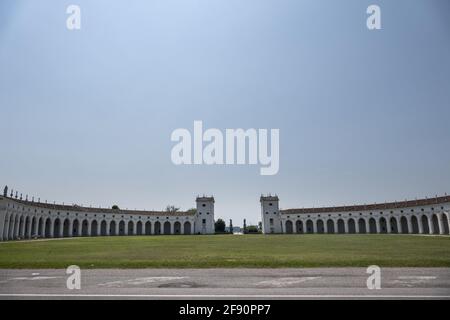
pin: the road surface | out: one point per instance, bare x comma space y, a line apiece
320, 283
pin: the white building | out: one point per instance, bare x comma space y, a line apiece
424, 216
22, 219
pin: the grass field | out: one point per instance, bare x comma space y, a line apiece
229, 251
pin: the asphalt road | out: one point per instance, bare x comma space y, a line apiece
321, 283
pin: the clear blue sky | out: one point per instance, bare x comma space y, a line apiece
86, 116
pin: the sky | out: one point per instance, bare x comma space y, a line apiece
86, 115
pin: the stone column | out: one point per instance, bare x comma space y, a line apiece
152, 227
419, 223
388, 225
430, 224
22, 228
440, 223
314, 226
448, 220
345, 225
366, 221
134, 228
325, 226
410, 227
357, 226
126, 228
30, 225
377, 223
70, 234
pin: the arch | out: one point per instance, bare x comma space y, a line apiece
121, 228
445, 223
289, 227
383, 226
103, 228
130, 228
351, 226
435, 222
299, 226
372, 225
112, 228
21, 226
139, 228
394, 226
177, 228
167, 227
187, 227
27, 227
66, 227
85, 228
76, 228
362, 225
148, 228
48, 226
41, 227
94, 228
56, 228
330, 226
425, 226
157, 227
320, 226
341, 226
415, 224
309, 226
404, 224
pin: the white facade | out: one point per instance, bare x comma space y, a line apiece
27, 219
425, 216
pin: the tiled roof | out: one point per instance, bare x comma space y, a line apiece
60, 207
380, 206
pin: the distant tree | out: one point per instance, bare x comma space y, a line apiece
260, 226
252, 229
192, 211
115, 207
219, 225
171, 208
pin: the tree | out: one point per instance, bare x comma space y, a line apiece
192, 211
171, 208
219, 225
252, 229
115, 207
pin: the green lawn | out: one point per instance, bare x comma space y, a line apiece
230, 251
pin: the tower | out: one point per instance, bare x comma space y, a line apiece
270, 214
204, 219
